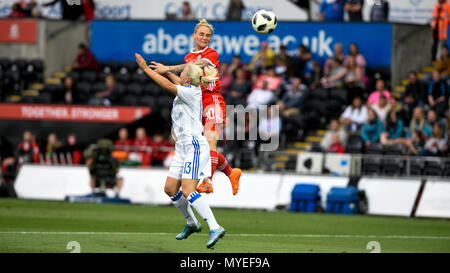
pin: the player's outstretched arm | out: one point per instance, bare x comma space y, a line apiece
155, 76
162, 69
174, 78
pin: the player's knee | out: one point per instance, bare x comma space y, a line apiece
187, 190
170, 191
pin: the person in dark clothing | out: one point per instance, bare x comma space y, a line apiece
438, 94
415, 93
379, 11
85, 60
235, 8
239, 89
354, 10
104, 168
69, 94
70, 11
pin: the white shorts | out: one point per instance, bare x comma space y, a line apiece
191, 159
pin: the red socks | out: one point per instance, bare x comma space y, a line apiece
222, 164
214, 161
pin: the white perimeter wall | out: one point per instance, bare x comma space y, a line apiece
257, 190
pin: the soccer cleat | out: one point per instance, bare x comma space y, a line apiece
234, 179
214, 236
205, 186
188, 230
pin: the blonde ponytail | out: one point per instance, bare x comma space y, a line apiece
204, 23
210, 75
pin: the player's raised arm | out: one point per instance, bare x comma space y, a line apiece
174, 78
155, 76
163, 69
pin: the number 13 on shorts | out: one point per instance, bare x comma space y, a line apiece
187, 168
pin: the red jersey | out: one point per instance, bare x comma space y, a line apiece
212, 57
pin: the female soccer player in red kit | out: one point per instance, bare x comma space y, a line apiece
214, 106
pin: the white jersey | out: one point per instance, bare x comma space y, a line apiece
187, 113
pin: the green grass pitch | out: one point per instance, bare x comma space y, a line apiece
41, 226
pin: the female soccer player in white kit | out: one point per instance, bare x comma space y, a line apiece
192, 160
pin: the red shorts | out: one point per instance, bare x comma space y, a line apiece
214, 110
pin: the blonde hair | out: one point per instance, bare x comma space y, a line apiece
198, 76
204, 23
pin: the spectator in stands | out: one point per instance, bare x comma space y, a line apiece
380, 90
417, 121
293, 99
438, 94
69, 95
382, 109
69, 10
226, 78
416, 142
335, 77
143, 143
353, 77
415, 92
359, 58
432, 118
379, 11
85, 60
397, 107
393, 129
354, 10
235, 8
72, 150
186, 12
284, 58
436, 145
439, 26
236, 63
336, 145
372, 129
269, 126
337, 54
327, 140
443, 63
239, 89
314, 79
16, 11
260, 96
108, 96
354, 115
281, 68
262, 60
124, 141
51, 149
300, 60
332, 10
161, 148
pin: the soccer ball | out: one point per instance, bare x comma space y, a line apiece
264, 22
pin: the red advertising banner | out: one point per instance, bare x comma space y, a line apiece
72, 113
18, 31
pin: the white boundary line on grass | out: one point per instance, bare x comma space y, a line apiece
233, 235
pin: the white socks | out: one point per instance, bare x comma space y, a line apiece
182, 204
202, 207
